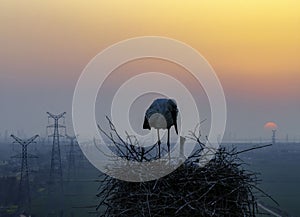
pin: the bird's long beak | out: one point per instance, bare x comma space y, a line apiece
146, 124
175, 125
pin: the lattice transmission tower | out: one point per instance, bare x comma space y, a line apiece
24, 199
55, 187
71, 157
273, 137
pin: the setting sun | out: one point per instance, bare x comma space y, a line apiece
270, 126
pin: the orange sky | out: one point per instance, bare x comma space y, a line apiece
254, 46
239, 38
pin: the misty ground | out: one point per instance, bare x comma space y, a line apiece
278, 165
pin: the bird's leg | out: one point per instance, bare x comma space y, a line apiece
158, 142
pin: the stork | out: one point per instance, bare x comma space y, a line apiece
162, 114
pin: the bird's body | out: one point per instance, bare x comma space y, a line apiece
162, 114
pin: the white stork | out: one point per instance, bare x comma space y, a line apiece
162, 114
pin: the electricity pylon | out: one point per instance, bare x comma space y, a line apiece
24, 200
5, 135
71, 157
55, 191
273, 137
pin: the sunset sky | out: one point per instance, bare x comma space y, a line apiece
254, 47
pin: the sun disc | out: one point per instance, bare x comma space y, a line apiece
270, 126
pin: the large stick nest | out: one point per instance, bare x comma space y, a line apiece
220, 188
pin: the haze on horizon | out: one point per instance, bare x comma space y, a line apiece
253, 46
